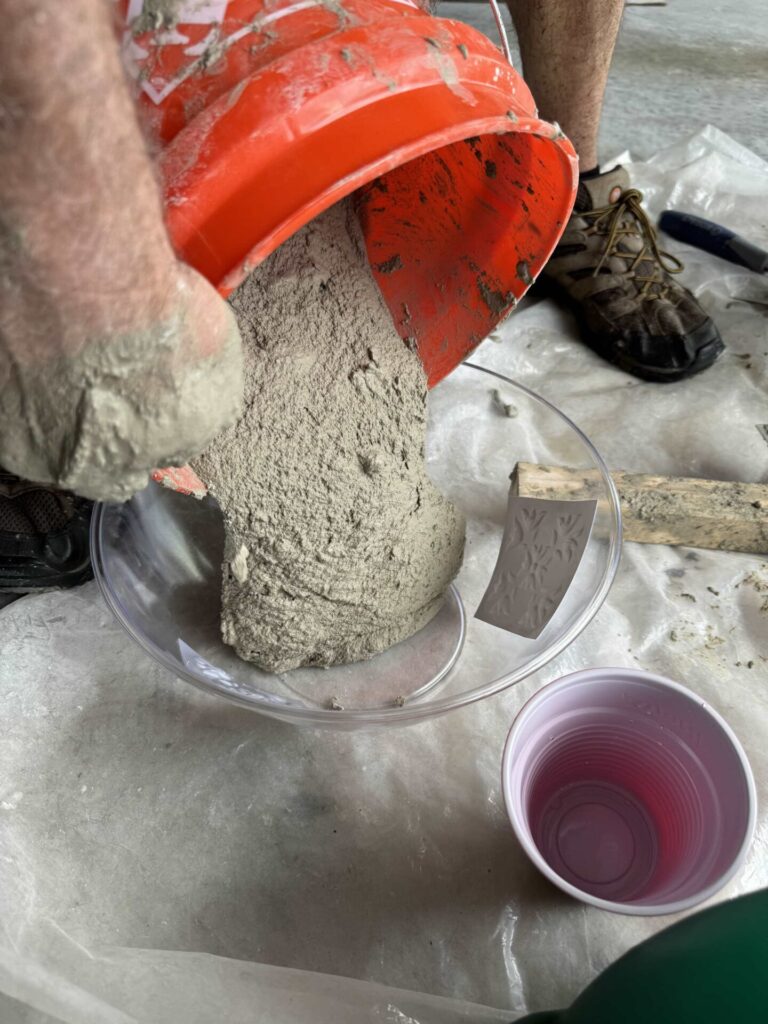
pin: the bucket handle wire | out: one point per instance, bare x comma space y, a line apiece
502, 31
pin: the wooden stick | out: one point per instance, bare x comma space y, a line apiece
719, 514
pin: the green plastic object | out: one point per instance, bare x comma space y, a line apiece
711, 968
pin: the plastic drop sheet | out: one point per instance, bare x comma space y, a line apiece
166, 857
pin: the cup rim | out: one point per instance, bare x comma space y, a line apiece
628, 675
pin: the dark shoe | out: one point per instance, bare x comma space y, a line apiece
44, 537
609, 268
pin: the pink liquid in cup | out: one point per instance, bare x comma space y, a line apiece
628, 791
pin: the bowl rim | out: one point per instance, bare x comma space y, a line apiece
409, 712
608, 675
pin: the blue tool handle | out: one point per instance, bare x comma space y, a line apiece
714, 238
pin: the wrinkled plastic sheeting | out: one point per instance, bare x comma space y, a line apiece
128, 985
160, 849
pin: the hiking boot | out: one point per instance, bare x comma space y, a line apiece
43, 537
609, 268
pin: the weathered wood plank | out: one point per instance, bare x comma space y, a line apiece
721, 515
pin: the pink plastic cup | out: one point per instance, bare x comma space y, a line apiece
628, 791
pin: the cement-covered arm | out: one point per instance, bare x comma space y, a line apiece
114, 357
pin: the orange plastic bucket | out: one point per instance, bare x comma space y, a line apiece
266, 112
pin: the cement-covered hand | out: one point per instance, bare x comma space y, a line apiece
97, 420
114, 358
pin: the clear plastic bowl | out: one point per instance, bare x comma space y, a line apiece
157, 559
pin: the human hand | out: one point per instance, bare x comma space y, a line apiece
114, 358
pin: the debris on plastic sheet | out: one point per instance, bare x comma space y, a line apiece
508, 409
160, 850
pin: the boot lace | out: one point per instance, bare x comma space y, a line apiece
624, 219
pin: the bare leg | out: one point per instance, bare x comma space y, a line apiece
567, 46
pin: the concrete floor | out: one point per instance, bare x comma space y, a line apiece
676, 68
